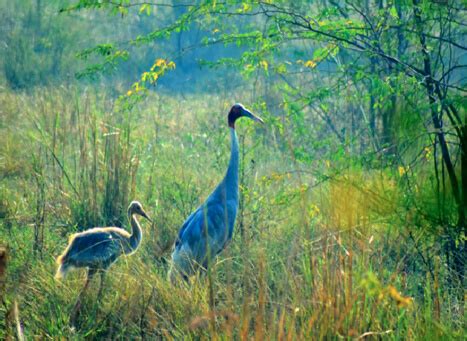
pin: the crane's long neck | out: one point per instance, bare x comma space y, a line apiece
231, 177
136, 233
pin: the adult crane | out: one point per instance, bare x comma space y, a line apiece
207, 231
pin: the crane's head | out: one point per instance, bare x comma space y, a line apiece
136, 208
237, 111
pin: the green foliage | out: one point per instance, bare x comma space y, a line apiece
35, 52
112, 58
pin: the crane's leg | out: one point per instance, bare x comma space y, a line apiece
77, 306
101, 286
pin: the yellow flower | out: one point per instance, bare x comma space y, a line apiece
310, 63
400, 300
313, 211
403, 170
159, 62
264, 64
427, 153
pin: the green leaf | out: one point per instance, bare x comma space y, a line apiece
145, 8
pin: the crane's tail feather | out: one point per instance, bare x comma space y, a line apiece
62, 261
59, 259
62, 271
64, 256
182, 265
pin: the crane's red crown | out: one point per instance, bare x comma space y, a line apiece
237, 111
234, 114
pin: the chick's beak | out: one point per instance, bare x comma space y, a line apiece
249, 114
146, 216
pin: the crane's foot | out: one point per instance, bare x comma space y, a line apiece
75, 313
77, 307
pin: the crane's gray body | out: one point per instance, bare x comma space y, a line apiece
97, 248
208, 230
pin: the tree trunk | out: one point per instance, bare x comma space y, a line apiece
456, 244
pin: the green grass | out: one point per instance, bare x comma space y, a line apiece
313, 256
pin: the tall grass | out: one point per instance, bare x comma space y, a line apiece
310, 259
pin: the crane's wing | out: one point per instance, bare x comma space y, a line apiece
95, 249
210, 216
182, 229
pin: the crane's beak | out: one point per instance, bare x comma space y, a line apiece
249, 114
